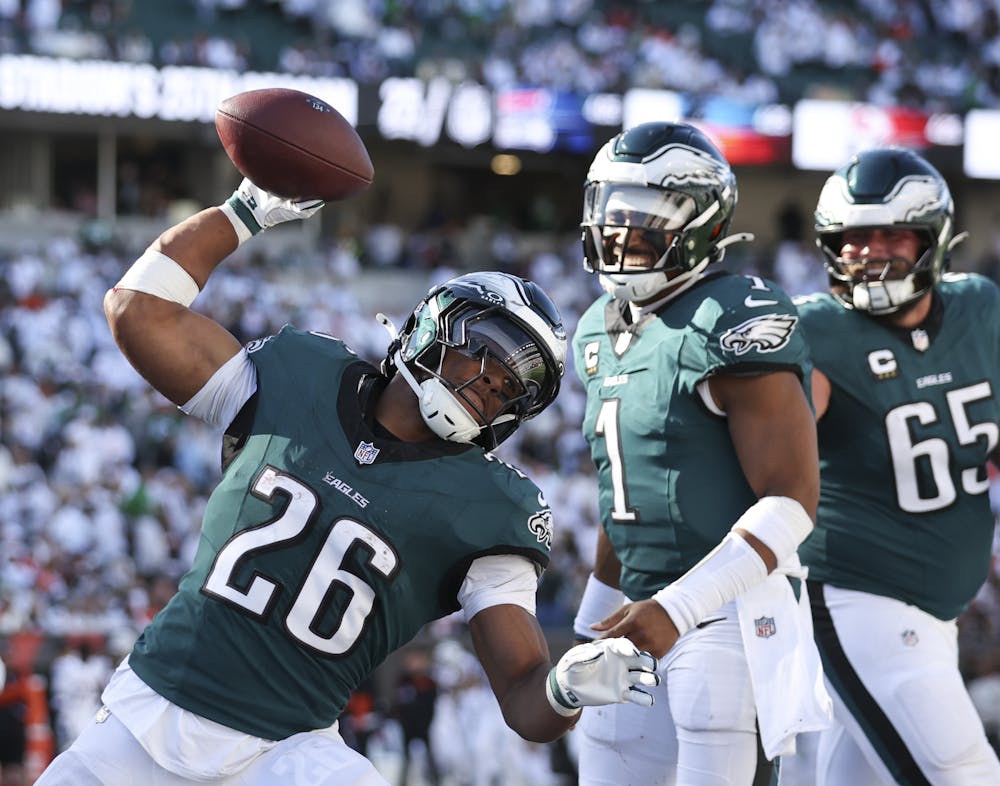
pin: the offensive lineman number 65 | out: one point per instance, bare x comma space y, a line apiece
259, 596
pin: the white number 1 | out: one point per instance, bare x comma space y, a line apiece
607, 427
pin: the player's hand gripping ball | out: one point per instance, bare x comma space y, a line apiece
293, 145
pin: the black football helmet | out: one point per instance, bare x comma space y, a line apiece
668, 182
885, 188
482, 315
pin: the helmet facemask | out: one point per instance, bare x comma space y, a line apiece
633, 236
879, 285
887, 190
657, 202
509, 373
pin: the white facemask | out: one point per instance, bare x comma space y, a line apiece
877, 297
441, 411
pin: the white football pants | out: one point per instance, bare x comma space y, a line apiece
701, 731
106, 754
902, 714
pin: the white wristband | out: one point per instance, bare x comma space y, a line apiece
725, 573
157, 274
598, 602
557, 700
243, 232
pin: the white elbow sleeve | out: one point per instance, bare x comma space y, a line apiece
157, 274
733, 567
780, 523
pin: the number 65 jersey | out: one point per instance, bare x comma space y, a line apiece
904, 510
325, 547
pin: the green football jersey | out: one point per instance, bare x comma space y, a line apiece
325, 547
904, 510
670, 484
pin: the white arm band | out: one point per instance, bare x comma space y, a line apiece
598, 602
780, 523
157, 274
733, 567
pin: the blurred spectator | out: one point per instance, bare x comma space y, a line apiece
413, 702
79, 674
11, 729
360, 719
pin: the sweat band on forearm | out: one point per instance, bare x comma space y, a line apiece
733, 567
598, 602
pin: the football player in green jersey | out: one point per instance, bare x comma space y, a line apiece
905, 388
356, 505
700, 428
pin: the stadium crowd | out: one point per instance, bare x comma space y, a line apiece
940, 56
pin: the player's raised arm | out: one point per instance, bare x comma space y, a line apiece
174, 348
296, 152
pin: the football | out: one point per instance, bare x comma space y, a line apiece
293, 145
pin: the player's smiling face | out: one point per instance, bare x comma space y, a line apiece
491, 388
636, 249
870, 251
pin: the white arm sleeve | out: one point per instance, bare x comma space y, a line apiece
225, 393
496, 579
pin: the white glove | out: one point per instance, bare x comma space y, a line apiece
605, 671
251, 209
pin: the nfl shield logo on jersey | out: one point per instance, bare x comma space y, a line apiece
765, 627
366, 453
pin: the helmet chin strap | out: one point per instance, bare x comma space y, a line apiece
441, 411
882, 296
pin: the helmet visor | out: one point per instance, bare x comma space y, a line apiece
622, 205
515, 349
631, 229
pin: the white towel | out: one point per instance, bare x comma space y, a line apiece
785, 668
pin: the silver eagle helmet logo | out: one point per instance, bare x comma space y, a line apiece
766, 333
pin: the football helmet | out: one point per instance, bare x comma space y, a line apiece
483, 316
662, 187
887, 188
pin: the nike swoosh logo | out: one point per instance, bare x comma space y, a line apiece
751, 302
706, 623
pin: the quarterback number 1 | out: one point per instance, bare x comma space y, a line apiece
607, 427
259, 595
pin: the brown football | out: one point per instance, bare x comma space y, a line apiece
293, 145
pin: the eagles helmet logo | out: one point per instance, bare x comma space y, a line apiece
766, 333
540, 525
